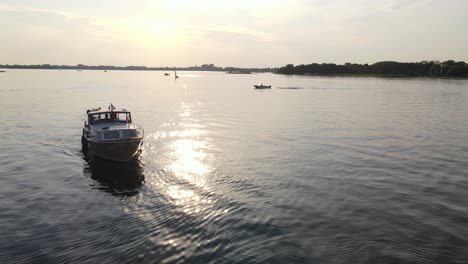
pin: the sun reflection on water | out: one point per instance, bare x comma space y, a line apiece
179, 163
185, 160
189, 160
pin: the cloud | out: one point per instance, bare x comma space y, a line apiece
258, 32
394, 5
51, 36
20, 10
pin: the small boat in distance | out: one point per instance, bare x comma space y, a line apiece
167, 74
238, 72
175, 75
2, 71
111, 135
261, 86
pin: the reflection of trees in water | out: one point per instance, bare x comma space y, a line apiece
119, 179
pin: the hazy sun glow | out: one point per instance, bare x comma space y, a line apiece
231, 33
160, 33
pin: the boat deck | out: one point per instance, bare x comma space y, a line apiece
114, 126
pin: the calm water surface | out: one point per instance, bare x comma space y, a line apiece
338, 170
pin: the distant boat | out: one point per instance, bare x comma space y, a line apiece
238, 72
105, 71
167, 74
2, 71
175, 75
261, 86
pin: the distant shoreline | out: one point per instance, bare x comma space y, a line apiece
297, 75
385, 69
204, 67
434, 69
389, 76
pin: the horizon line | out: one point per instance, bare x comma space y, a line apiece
202, 66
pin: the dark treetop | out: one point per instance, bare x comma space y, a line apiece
448, 68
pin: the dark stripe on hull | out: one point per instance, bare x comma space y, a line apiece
115, 150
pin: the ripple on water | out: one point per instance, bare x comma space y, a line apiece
363, 170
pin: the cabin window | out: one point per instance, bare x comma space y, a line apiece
104, 117
111, 135
129, 133
99, 118
123, 117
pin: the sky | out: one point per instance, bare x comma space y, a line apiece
242, 33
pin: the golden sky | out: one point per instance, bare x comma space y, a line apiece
242, 33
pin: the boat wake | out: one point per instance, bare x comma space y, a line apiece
290, 88
118, 179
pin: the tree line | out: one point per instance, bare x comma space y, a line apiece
448, 68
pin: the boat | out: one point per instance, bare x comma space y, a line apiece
238, 72
175, 75
110, 134
261, 86
167, 74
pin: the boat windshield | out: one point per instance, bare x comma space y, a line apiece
104, 117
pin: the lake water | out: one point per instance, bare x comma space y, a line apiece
337, 170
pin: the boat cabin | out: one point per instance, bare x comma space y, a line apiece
98, 117
111, 125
